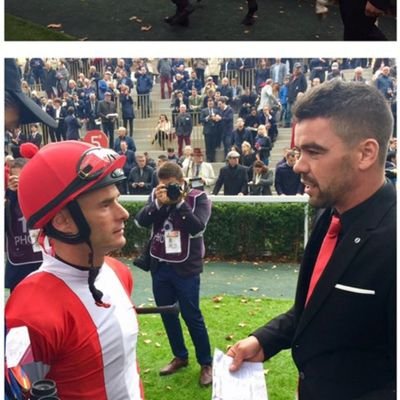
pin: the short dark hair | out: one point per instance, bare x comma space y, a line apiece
356, 112
170, 170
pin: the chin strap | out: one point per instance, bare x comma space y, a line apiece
83, 236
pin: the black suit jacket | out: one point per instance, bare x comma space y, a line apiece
209, 125
344, 342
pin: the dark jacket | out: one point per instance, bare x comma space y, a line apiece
183, 124
193, 220
126, 102
287, 181
135, 177
234, 179
344, 342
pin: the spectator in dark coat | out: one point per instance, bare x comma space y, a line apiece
139, 180
130, 162
233, 177
128, 113
122, 137
287, 182
183, 128
72, 125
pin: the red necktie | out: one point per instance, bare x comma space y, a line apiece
325, 253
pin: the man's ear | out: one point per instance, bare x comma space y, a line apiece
63, 222
368, 153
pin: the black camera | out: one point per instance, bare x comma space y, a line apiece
174, 191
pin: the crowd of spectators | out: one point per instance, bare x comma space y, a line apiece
238, 104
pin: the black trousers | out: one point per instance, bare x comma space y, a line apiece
357, 26
181, 4
252, 5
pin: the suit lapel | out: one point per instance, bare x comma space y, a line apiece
352, 243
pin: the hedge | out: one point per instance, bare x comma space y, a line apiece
241, 231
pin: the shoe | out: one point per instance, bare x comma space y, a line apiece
173, 366
248, 20
205, 375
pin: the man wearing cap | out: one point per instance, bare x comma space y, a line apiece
77, 308
335, 72
233, 177
198, 173
19, 108
108, 113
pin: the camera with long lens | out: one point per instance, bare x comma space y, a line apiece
174, 192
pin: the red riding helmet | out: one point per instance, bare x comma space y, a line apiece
59, 173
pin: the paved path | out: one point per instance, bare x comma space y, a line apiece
212, 20
239, 279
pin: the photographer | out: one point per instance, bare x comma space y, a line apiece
178, 218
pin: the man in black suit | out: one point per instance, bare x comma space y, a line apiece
209, 122
342, 331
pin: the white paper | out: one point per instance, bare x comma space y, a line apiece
17, 345
246, 384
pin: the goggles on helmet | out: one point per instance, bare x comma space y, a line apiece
93, 171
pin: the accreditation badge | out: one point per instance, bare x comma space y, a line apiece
172, 242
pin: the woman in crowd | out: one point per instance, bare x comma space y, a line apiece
163, 131
262, 180
263, 144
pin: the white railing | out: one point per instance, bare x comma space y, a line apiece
246, 199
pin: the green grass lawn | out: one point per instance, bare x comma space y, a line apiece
229, 320
218, 20
20, 29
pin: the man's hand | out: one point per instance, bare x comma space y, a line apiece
13, 182
161, 194
372, 11
248, 349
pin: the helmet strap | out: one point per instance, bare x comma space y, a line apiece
83, 236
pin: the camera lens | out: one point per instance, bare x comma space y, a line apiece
43, 388
173, 191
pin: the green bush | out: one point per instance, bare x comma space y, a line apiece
273, 231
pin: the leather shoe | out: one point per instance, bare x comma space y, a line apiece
173, 366
205, 375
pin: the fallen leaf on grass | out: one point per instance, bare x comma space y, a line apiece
217, 299
146, 371
146, 28
217, 306
228, 337
244, 301
241, 324
266, 371
54, 26
254, 289
133, 18
157, 344
147, 341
